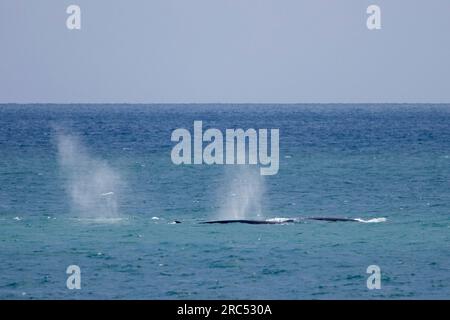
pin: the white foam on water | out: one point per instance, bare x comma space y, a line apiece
100, 220
280, 220
373, 220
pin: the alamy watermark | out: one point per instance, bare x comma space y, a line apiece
73, 21
374, 20
74, 278
235, 147
374, 280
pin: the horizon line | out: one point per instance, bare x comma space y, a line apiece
221, 103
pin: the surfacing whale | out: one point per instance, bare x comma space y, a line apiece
279, 221
332, 219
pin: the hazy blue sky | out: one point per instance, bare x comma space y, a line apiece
225, 51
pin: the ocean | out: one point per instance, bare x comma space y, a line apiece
94, 186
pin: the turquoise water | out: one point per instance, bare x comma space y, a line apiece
94, 186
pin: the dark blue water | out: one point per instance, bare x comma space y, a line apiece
359, 161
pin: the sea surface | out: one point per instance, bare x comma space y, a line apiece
94, 186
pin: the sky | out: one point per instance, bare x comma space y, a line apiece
224, 51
